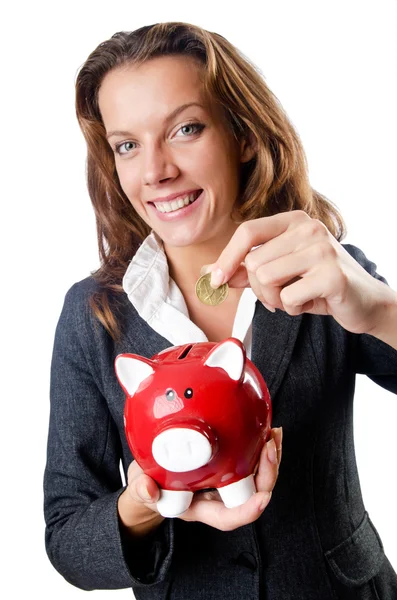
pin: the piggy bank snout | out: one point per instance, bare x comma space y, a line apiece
181, 449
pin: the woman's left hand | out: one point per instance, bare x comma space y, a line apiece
207, 506
293, 263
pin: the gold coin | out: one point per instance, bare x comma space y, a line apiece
207, 295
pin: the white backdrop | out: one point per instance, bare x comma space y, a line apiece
332, 65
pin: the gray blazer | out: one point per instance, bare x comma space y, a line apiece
315, 540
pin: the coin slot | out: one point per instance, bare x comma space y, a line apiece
185, 352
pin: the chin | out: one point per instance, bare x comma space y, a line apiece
179, 241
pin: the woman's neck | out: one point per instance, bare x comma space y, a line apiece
185, 262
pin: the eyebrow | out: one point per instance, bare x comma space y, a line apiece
169, 118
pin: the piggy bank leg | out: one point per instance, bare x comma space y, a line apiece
238, 492
173, 503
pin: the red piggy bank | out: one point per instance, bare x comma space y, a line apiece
196, 416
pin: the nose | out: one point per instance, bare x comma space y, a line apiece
181, 450
158, 164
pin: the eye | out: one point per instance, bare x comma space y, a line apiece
188, 393
191, 128
170, 394
128, 146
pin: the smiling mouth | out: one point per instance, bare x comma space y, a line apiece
173, 205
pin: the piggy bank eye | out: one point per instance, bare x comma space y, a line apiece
170, 394
188, 393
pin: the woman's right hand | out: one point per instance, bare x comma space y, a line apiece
138, 510
137, 506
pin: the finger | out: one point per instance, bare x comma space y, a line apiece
282, 270
313, 292
277, 434
268, 280
208, 495
257, 288
216, 514
289, 269
306, 233
143, 489
247, 235
240, 278
266, 476
291, 240
270, 297
133, 471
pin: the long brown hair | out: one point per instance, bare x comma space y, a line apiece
274, 181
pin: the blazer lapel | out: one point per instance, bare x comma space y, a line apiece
273, 339
138, 336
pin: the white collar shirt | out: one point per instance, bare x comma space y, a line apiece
160, 302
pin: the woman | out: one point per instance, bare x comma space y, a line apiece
173, 113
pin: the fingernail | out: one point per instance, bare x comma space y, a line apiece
272, 451
217, 278
273, 310
144, 493
265, 501
278, 439
205, 269
279, 435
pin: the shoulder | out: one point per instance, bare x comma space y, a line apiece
73, 323
81, 290
79, 299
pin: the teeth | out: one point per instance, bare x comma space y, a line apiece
176, 204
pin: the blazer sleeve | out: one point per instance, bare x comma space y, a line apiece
372, 357
82, 482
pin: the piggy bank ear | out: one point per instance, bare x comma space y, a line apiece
229, 356
131, 370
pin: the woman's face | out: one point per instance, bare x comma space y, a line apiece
176, 158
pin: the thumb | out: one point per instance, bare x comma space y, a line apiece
143, 489
239, 278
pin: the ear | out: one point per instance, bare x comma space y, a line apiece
229, 356
248, 147
131, 370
